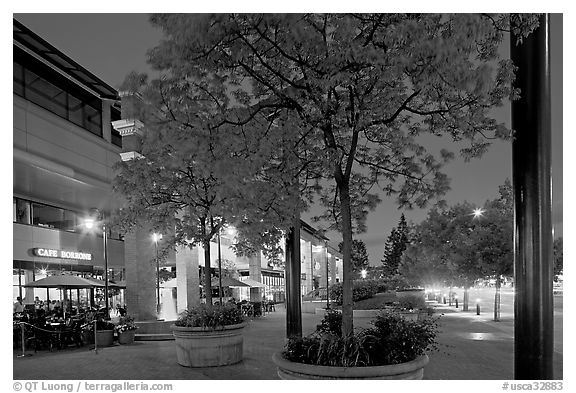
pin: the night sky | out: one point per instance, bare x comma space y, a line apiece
112, 45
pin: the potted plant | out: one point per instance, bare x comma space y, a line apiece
104, 333
394, 348
126, 330
209, 336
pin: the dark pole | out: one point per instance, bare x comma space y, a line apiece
531, 164
157, 276
105, 237
327, 276
293, 307
219, 269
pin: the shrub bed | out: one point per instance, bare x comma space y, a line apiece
362, 289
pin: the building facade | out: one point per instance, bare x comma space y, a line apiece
68, 132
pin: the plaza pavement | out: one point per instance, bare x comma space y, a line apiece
472, 347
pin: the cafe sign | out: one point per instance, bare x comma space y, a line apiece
63, 254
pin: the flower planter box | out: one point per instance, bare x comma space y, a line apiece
104, 338
201, 347
126, 337
292, 370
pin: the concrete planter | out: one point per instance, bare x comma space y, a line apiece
292, 370
201, 347
126, 337
104, 338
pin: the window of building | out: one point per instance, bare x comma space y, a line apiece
47, 216
35, 213
46, 88
18, 79
21, 211
115, 115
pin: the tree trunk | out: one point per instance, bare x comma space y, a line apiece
347, 285
497, 301
465, 300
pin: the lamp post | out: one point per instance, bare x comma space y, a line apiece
89, 223
327, 276
156, 237
219, 268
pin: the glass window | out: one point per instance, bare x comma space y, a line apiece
47, 216
75, 110
21, 211
45, 94
69, 221
93, 118
18, 79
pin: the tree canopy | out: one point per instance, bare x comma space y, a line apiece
352, 93
455, 247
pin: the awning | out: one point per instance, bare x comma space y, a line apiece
252, 283
63, 281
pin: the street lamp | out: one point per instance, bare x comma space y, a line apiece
156, 237
478, 212
364, 273
327, 276
219, 268
89, 223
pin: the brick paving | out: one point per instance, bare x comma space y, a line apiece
471, 348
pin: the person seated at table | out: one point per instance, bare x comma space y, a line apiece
38, 304
232, 301
19, 305
120, 310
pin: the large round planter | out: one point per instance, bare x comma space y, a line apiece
126, 337
104, 338
201, 347
292, 370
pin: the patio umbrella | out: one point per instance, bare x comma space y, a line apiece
228, 282
63, 281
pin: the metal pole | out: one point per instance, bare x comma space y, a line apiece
327, 276
105, 236
95, 337
219, 269
23, 340
157, 278
531, 164
293, 306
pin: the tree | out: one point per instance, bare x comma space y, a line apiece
395, 246
359, 255
363, 87
456, 247
194, 178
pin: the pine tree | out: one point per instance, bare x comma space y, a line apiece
395, 246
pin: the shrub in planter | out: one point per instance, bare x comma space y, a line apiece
126, 329
394, 348
217, 316
209, 337
362, 289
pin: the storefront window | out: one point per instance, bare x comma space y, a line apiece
21, 211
